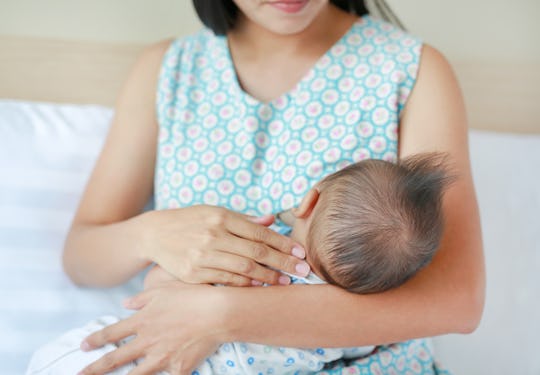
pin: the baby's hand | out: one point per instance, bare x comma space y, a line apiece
157, 276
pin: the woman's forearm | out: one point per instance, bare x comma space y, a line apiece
105, 255
445, 297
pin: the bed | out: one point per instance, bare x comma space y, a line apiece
54, 115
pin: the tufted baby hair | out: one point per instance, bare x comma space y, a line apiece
377, 223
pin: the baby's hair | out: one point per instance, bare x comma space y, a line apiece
220, 16
377, 223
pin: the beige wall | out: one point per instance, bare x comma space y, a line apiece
479, 30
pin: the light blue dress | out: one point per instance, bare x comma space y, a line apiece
219, 146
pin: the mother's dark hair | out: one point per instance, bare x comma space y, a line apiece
220, 15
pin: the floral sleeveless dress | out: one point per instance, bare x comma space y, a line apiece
220, 146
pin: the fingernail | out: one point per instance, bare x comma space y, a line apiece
284, 280
298, 252
256, 283
302, 269
85, 346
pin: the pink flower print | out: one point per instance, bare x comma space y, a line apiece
242, 178
390, 156
309, 134
226, 112
407, 42
366, 50
276, 190
332, 155
384, 90
265, 206
165, 192
221, 63
341, 108
289, 113
275, 127
262, 140
172, 61
334, 72
367, 103
218, 98
259, 167
314, 169
249, 152
200, 145
326, 121
403, 95
210, 197
232, 162
405, 57
227, 76
330, 97
191, 168
302, 98
375, 369
167, 151
337, 132
217, 135
303, 158
287, 201
267, 179
210, 121
215, 172
271, 153
185, 195
314, 109
377, 59
170, 113
241, 139
352, 117
200, 183
345, 84
369, 32
234, 125
200, 62
163, 135
183, 154
350, 60
172, 204
176, 179
349, 142
171, 165
213, 85
299, 185
354, 39
392, 132
279, 163
254, 193
392, 102
251, 124
265, 112
380, 116
357, 93
373, 80
338, 50
288, 173
197, 96
361, 154
238, 203
208, 157
187, 116
318, 84
284, 137
225, 147
293, 147
194, 131
361, 70
380, 39
324, 61
280, 103
377, 144
397, 76
320, 144
225, 187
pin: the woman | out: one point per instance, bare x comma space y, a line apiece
267, 68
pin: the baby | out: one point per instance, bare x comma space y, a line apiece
366, 228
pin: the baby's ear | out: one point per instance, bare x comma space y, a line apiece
307, 205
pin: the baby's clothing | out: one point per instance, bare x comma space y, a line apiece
64, 357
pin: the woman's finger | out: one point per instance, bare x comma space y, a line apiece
246, 258
138, 301
261, 253
110, 334
146, 367
247, 229
115, 359
219, 276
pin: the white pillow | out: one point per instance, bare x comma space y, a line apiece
47, 152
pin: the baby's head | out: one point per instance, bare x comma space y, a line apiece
372, 225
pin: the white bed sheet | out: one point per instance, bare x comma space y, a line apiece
47, 152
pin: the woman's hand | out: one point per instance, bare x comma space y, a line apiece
177, 326
208, 244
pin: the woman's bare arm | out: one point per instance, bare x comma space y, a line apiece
447, 296
102, 246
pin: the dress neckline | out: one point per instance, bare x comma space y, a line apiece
309, 74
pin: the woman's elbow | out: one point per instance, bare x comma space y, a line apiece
470, 307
